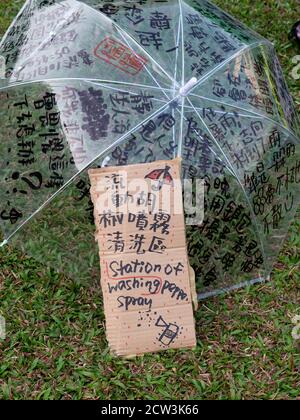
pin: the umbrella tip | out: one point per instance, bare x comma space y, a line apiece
5, 242
105, 162
184, 91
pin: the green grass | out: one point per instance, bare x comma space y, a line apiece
56, 347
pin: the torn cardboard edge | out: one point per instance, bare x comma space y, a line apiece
147, 283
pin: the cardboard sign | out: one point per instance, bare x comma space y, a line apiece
144, 264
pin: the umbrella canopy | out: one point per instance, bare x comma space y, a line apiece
133, 82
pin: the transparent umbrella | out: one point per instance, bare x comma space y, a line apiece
135, 81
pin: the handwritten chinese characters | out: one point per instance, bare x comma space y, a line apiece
144, 264
56, 129
36, 159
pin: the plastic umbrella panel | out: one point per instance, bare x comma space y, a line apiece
142, 81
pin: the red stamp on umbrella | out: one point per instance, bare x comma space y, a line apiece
120, 56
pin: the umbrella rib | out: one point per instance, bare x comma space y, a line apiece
179, 151
232, 57
240, 183
132, 84
251, 114
105, 86
211, 150
227, 104
148, 71
212, 136
124, 90
182, 43
175, 76
218, 111
95, 81
177, 54
181, 128
221, 291
151, 58
69, 182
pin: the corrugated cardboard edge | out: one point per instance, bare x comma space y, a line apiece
194, 294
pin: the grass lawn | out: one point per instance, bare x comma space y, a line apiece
56, 348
